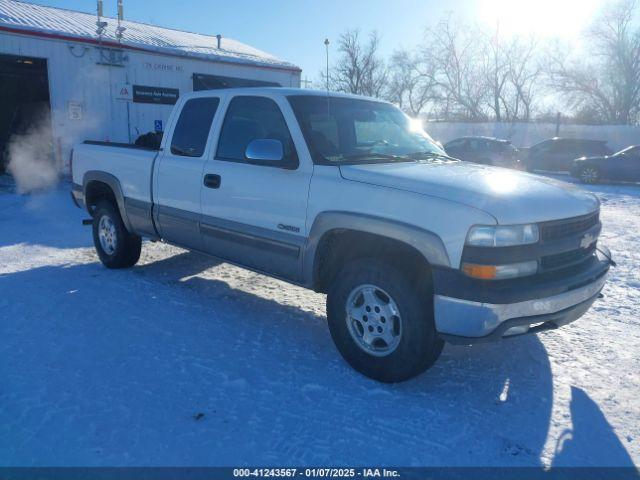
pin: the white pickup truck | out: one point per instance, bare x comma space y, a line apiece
348, 196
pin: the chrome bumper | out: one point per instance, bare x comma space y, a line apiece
464, 321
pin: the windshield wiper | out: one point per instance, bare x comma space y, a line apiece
376, 156
428, 155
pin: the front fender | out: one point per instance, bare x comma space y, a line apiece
427, 243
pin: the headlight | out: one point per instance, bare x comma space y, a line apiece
502, 236
499, 272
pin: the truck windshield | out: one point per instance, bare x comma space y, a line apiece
346, 131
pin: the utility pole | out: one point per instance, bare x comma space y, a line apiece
326, 44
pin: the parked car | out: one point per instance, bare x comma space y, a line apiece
557, 154
484, 150
623, 166
339, 194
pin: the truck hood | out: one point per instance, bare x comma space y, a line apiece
510, 196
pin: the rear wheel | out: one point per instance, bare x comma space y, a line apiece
116, 247
589, 175
382, 322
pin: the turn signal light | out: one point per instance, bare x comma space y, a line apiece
498, 272
484, 272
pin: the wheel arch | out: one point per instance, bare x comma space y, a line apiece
339, 236
98, 185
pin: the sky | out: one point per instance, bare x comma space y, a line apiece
294, 30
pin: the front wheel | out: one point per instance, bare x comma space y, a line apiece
382, 322
115, 245
589, 175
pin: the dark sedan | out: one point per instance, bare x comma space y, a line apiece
485, 150
556, 154
623, 166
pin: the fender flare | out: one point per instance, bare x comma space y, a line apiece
427, 243
116, 188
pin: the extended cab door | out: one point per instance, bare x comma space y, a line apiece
255, 214
178, 175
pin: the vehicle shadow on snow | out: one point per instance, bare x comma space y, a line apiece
591, 441
161, 345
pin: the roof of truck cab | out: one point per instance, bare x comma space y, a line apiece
70, 25
284, 91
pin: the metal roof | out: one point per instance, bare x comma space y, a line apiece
29, 18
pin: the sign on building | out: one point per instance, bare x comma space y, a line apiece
124, 92
160, 95
75, 110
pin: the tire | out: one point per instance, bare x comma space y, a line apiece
418, 345
121, 249
589, 175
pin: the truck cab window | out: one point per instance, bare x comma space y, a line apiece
250, 118
191, 132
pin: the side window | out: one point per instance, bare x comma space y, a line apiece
601, 149
192, 129
572, 147
498, 147
455, 144
251, 118
558, 147
544, 147
477, 144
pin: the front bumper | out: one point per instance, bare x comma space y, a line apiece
552, 303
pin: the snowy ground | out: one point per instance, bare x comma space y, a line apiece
101, 367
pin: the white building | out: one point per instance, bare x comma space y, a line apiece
110, 81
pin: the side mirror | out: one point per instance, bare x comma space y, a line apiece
264, 150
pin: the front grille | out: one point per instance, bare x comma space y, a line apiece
566, 259
566, 228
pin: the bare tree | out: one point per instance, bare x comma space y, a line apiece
453, 53
524, 76
607, 81
360, 69
412, 83
496, 70
511, 73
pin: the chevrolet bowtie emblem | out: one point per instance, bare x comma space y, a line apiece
587, 240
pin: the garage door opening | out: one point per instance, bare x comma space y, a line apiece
25, 116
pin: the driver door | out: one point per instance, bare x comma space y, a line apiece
255, 214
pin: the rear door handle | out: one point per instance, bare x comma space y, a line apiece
212, 181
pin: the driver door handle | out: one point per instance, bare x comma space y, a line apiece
212, 181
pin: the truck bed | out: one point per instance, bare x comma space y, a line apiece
131, 165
